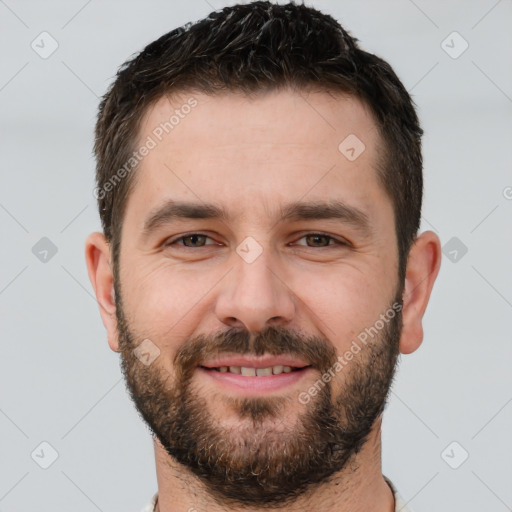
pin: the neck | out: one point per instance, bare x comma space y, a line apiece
356, 490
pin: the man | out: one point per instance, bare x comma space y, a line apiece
260, 269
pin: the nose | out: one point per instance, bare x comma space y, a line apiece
255, 295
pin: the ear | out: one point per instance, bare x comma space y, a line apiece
422, 268
97, 256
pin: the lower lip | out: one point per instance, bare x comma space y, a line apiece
256, 385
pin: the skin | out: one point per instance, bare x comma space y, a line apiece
252, 156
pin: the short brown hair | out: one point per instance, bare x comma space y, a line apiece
252, 47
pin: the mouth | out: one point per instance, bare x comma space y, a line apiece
254, 376
250, 371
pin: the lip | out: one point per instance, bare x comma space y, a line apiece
254, 386
264, 361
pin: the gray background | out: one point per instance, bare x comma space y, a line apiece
59, 381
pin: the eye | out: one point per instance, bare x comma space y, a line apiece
190, 240
321, 240
314, 240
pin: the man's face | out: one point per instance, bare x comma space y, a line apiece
300, 289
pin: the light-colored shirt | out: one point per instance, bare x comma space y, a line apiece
400, 505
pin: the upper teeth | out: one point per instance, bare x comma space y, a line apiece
253, 372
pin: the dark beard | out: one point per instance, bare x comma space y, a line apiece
260, 463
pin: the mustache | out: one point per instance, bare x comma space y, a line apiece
318, 351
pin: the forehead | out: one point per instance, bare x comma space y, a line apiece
285, 117
252, 152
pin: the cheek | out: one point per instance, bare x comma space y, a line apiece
344, 301
164, 298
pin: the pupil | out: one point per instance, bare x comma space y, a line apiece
316, 237
194, 238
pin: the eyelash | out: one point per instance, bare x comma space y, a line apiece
337, 242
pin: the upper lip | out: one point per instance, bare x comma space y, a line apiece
264, 361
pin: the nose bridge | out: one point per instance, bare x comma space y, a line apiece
254, 294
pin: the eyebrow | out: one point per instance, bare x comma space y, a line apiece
172, 210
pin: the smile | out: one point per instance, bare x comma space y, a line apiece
247, 371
